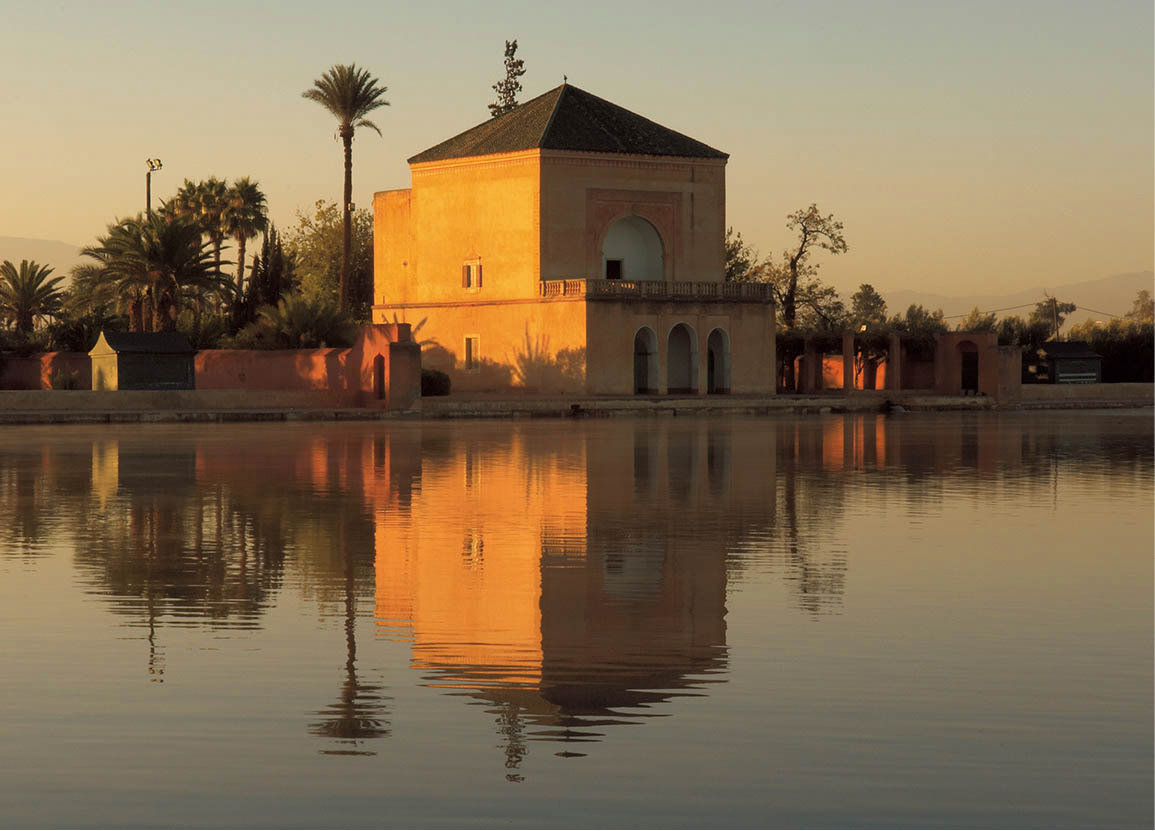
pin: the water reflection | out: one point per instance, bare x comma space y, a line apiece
566, 581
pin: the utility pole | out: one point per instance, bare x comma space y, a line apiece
1055, 315
153, 166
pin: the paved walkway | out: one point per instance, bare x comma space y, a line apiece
497, 406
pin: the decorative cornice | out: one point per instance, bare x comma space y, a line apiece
520, 158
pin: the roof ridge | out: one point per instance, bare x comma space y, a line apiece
552, 115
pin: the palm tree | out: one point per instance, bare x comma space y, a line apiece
245, 216
205, 203
350, 94
27, 294
156, 261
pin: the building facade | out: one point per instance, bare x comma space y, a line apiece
571, 246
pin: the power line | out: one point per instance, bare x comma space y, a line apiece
992, 311
1096, 311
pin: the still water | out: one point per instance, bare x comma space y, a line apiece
921, 619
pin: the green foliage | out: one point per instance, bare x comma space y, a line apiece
1051, 313
509, 86
245, 215
272, 276
918, 328
63, 379
78, 333
155, 264
203, 204
976, 321
314, 247
797, 271
349, 94
1127, 347
867, 308
297, 322
203, 331
741, 259
1143, 309
1029, 335
434, 382
27, 294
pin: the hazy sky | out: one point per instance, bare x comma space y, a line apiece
967, 146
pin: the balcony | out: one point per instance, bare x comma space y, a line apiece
658, 290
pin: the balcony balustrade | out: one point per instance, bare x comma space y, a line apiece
658, 290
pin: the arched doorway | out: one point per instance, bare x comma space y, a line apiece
718, 362
682, 360
969, 359
645, 362
379, 377
632, 250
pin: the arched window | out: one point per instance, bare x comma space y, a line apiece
632, 250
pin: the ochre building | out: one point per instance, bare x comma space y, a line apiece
571, 246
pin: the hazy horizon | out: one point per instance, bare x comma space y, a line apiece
968, 149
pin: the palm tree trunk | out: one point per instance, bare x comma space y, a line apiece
217, 264
347, 137
240, 265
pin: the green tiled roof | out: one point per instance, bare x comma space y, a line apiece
568, 118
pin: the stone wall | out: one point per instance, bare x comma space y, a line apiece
35, 372
382, 370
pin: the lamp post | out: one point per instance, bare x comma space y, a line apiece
153, 166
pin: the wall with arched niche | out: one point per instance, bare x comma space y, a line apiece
634, 244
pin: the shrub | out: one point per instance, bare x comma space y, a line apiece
296, 322
63, 379
434, 382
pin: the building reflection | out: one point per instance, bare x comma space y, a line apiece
572, 580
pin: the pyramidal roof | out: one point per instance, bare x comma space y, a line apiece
568, 118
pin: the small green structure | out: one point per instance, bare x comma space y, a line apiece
143, 361
1070, 362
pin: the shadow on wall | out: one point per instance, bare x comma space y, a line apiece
534, 370
486, 376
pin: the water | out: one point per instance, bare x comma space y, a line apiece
915, 620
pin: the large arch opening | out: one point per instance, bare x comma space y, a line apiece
682, 360
718, 362
969, 359
632, 250
645, 362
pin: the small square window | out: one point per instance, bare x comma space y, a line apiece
472, 353
613, 269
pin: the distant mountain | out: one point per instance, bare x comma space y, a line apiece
60, 255
1096, 299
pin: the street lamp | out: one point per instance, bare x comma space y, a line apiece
153, 165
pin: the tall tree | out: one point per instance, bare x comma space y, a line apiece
245, 215
350, 94
815, 231
1143, 308
27, 293
205, 204
867, 308
509, 86
314, 245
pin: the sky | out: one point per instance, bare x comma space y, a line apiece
967, 146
